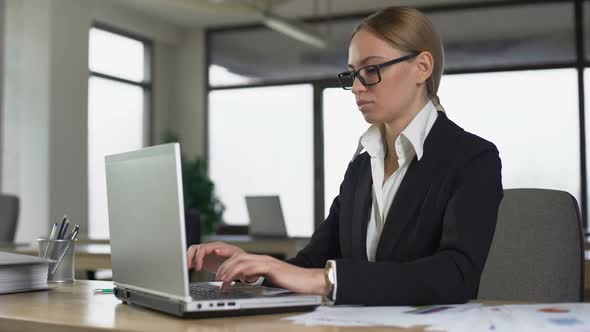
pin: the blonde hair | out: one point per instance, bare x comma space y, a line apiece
409, 30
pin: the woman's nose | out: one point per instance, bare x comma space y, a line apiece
357, 86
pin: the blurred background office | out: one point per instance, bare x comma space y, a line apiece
250, 87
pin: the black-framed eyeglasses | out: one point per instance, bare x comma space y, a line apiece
368, 75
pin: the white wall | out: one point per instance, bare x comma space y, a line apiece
45, 101
163, 87
68, 90
2, 6
26, 106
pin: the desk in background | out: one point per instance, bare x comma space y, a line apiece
278, 247
89, 257
92, 255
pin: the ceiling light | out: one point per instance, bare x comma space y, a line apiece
294, 30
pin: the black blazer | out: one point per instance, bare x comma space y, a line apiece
437, 233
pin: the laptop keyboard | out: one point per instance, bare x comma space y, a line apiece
207, 291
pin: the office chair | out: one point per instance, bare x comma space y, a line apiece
9, 210
537, 254
193, 227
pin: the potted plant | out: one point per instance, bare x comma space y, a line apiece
203, 210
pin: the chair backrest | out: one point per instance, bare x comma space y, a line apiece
538, 251
8, 217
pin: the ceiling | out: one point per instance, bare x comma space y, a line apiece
208, 13
480, 38
504, 36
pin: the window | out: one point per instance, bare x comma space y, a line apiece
343, 126
531, 116
118, 120
261, 143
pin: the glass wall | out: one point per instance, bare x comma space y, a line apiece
343, 126
531, 116
261, 143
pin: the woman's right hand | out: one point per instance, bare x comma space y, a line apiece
210, 256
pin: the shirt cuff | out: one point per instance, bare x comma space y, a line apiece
333, 298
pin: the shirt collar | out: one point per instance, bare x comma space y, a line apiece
411, 139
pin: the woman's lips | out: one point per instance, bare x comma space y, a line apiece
361, 103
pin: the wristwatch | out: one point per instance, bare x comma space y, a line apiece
329, 275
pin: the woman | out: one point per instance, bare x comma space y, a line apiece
416, 212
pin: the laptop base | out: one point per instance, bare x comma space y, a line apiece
177, 309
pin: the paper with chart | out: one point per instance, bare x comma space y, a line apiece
561, 317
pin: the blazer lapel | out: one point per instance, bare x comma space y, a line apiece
361, 211
414, 187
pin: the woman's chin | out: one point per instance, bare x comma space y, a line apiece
371, 118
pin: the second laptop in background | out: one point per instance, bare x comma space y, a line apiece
266, 216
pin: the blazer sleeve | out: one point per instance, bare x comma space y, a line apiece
325, 241
452, 273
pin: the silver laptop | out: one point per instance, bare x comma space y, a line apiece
148, 246
266, 216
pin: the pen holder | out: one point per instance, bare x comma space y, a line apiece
62, 252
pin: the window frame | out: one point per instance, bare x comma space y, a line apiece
146, 84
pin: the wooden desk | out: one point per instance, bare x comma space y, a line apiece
92, 255
89, 257
73, 307
287, 247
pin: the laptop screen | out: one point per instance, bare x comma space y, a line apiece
146, 222
266, 216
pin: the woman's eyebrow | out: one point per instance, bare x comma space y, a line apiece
365, 60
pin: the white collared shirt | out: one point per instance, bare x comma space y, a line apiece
409, 143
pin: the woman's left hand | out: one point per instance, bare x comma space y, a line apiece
244, 266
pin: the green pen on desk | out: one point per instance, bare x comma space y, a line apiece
103, 291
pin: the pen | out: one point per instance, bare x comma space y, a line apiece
75, 230
103, 291
63, 233
61, 227
53, 230
51, 236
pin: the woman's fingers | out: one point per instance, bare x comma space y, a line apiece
234, 268
281, 274
203, 251
219, 249
227, 250
227, 265
192, 250
243, 271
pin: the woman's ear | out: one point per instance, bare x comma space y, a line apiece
424, 67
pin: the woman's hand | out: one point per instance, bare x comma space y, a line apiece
244, 266
210, 256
